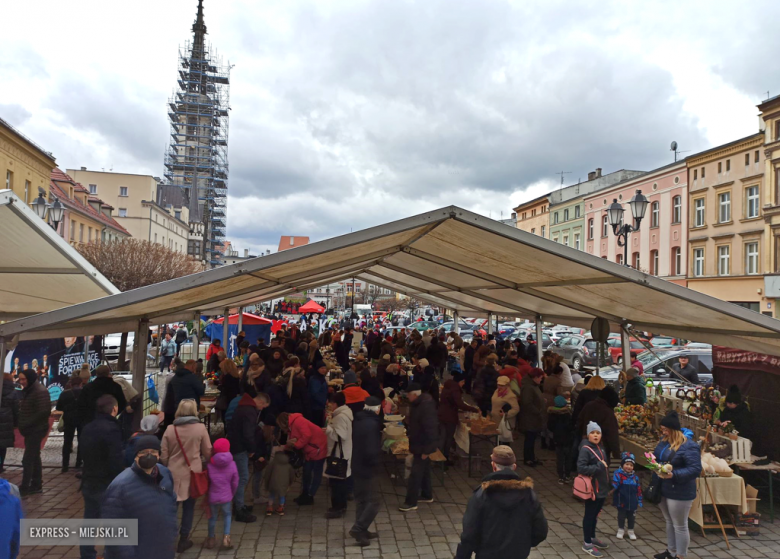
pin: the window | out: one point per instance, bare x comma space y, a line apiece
747, 159
728, 165
698, 219
755, 157
9, 180
533, 231
720, 167
751, 207
81, 232
676, 261
724, 259
677, 209
695, 174
566, 240
605, 226
177, 214
751, 258
619, 259
93, 189
555, 238
577, 241
72, 231
698, 262
89, 234
122, 212
26, 192
555, 217
635, 258
702, 172
654, 262
543, 230
566, 215
724, 207
123, 191
576, 212
655, 215
590, 229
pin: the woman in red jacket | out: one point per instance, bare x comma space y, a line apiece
304, 435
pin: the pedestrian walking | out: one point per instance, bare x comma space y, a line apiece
277, 478
185, 384
423, 432
366, 459
223, 482
559, 424
503, 517
339, 433
181, 336
450, 403
168, 351
102, 384
34, 412
627, 495
592, 462
531, 414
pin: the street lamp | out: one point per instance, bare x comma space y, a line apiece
55, 214
40, 206
638, 205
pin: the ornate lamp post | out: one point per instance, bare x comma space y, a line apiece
56, 212
638, 205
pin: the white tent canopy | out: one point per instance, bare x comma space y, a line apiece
450, 257
39, 271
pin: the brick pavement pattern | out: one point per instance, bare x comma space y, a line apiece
431, 532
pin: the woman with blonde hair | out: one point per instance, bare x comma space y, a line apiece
185, 447
229, 381
678, 487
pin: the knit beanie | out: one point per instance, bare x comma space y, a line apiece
593, 426
627, 457
671, 421
733, 396
560, 402
221, 445
350, 377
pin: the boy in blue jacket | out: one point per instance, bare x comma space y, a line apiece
627, 494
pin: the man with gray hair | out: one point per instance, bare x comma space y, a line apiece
503, 517
366, 460
423, 429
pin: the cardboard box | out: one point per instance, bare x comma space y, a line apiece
752, 498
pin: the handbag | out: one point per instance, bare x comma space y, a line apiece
334, 466
199, 481
583, 485
504, 432
61, 424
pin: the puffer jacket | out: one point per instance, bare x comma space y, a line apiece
242, 426
636, 393
186, 385
503, 519
686, 468
151, 500
308, 437
559, 424
599, 412
340, 429
223, 478
35, 407
532, 406
589, 464
9, 413
366, 452
423, 425
628, 490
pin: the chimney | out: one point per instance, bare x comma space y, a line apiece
514, 215
598, 172
246, 253
83, 168
591, 175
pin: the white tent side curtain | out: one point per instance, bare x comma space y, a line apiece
452, 258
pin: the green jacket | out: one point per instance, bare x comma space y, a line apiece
635, 392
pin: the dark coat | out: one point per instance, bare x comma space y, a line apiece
485, 385
298, 401
585, 397
559, 424
636, 394
503, 519
94, 390
451, 401
532, 406
589, 464
423, 425
9, 413
150, 499
468, 359
35, 408
67, 403
427, 380
242, 426
686, 467
186, 385
318, 392
366, 444
101, 448
437, 353
600, 412
741, 418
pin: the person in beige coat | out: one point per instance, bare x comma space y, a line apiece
503, 395
194, 440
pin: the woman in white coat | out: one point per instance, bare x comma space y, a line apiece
339, 432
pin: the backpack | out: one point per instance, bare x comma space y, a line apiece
583, 485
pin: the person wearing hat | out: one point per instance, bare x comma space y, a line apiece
560, 425
504, 517
318, 394
353, 393
602, 411
592, 462
627, 495
144, 492
450, 403
339, 432
423, 432
504, 402
678, 487
737, 412
636, 394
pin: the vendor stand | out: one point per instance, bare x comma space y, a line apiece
474, 430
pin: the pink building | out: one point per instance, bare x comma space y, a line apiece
660, 246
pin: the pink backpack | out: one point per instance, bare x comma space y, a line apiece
583, 485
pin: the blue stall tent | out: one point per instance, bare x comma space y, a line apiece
255, 327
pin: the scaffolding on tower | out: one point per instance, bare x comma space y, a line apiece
197, 156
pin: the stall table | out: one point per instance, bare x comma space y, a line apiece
465, 440
725, 491
771, 469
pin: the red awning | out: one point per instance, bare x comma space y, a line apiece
249, 318
311, 306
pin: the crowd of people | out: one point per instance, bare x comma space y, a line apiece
281, 415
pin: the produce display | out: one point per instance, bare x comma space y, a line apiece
634, 420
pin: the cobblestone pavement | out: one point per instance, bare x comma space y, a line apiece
430, 532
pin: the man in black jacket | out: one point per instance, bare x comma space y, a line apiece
468, 363
423, 429
101, 440
102, 384
34, 412
503, 517
366, 452
185, 384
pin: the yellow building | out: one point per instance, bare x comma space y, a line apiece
726, 230
25, 167
534, 216
770, 118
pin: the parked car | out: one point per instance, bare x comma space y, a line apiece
580, 352
658, 368
665, 341
616, 348
463, 326
698, 345
523, 335
424, 325
112, 342
557, 335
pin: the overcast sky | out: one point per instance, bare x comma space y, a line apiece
348, 114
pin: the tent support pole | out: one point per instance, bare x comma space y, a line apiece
159, 344
196, 331
240, 320
86, 349
626, 347
226, 332
139, 364
539, 349
456, 322
490, 323
3, 352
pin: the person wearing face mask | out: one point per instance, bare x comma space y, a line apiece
144, 492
